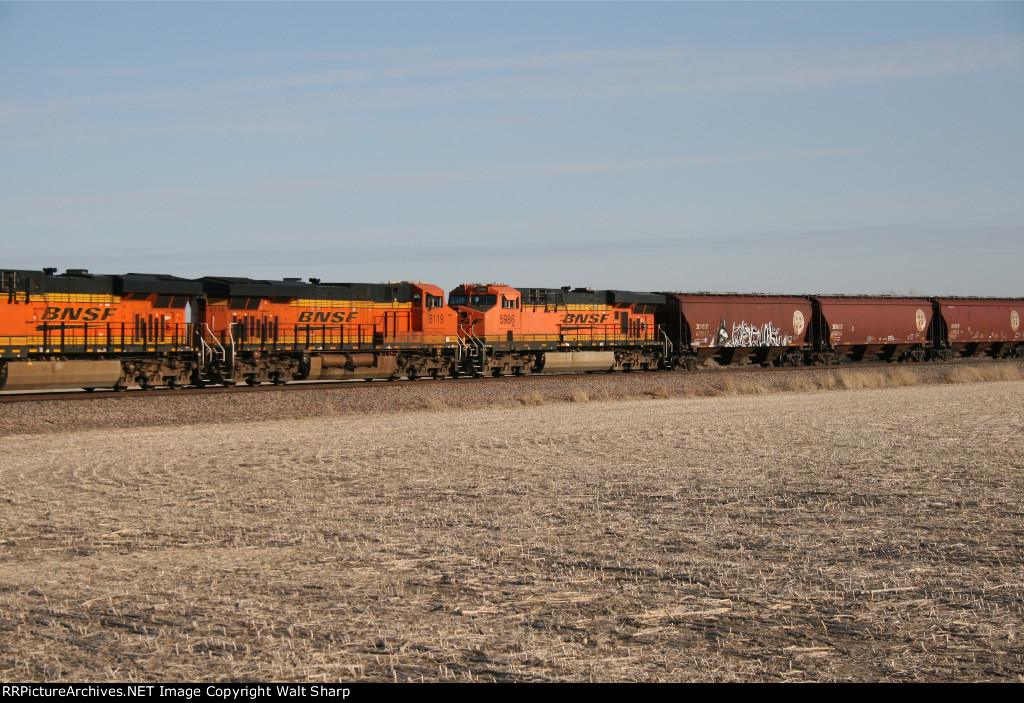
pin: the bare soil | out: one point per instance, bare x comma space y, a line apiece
733, 535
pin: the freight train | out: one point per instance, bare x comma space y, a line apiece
79, 330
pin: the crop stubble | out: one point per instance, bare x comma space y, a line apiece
863, 535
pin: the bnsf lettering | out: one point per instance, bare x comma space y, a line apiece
336, 317
594, 318
80, 314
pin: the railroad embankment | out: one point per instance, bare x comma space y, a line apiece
136, 409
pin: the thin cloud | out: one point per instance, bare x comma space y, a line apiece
291, 101
124, 203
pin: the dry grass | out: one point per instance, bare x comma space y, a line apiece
532, 399
975, 374
579, 397
870, 535
741, 386
804, 384
855, 380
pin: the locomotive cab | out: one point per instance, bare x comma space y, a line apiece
490, 312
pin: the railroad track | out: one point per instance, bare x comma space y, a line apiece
357, 386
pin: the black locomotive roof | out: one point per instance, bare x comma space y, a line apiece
156, 283
628, 296
81, 282
74, 281
375, 292
586, 296
226, 287
77, 281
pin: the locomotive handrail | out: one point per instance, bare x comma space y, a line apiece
206, 346
475, 343
231, 340
104, 336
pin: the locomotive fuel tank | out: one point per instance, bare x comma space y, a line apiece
578, 362
351, 366
47, 375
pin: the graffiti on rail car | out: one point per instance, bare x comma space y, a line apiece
747, 335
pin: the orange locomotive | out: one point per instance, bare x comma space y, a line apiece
79, 330
526, 330
276, 331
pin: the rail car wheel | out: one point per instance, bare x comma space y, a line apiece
412, 375
90, 390
278, 379
173, 384
517, 371
497, 373
251, 381
435, 374
120, 387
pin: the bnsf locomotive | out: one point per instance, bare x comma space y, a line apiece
78, 330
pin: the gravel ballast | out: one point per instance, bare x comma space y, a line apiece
136, 409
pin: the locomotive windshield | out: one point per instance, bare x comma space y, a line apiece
482, 301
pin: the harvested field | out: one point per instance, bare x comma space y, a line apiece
867, 535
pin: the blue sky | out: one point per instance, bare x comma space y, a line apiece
765, 147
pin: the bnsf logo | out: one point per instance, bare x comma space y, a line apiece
83, 314
594, 318
310, 316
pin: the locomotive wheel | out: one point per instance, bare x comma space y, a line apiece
412, 375
496, 373
173, 384
278, 379
251, 381
120, 387
517, 371
435, 374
